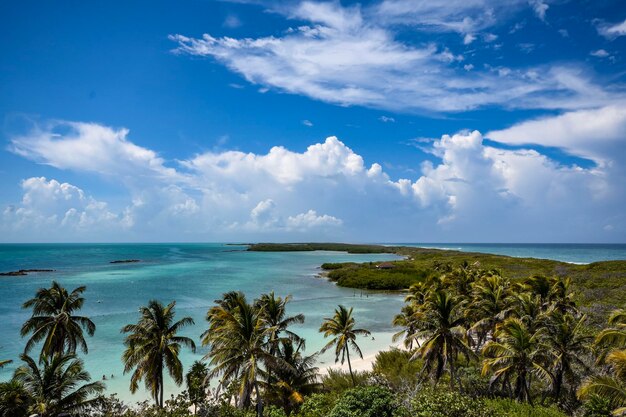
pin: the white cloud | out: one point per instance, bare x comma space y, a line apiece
612, 30
52, 210
348, 56
469, 38
310, 219
596, 134
307, 123
474, 192
387, 119
468, 67
600, 53
540, 8
232, 22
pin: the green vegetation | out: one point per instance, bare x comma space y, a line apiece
477, 343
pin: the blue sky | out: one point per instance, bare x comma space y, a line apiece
391, 120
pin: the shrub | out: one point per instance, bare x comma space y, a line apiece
396, 368
429, 403
338, 381
273, 411
371, 401
509, 408
317, 405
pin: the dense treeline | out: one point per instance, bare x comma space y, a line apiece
472, 343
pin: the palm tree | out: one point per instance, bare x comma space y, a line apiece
290, 384
515, 353
153, 344
441, 326
490, 298
197, 383
341, 328
237, 336
567, 342
15, 401
407, 320
54, 321
274, 312
56, 387
613, 385
2, 363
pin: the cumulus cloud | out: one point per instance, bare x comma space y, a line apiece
612, 30
600, 53
472, 191
351, 56
53, 210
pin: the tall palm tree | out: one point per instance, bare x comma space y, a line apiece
56, 388
515, 354
341, 328
152, 345
54, 321
442, 327
274, 312
611, 386
567, 343
237, 336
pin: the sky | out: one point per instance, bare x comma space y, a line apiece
262, 120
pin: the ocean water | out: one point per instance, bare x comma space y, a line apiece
580, 253
195, 275
192, 274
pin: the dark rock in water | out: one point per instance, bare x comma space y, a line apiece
23, 272
125, 261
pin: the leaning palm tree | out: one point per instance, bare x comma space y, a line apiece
442, 327
54, 321
237, 336
152, 345
341, 328
515, 354
55, 387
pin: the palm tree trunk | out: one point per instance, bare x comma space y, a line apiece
350, 366
259, 401
160, 382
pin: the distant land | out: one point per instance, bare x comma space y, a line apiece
599, 286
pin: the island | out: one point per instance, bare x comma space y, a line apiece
23, 272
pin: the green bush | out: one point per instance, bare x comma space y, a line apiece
273, 411
504, 407
429, 403
371, 401
317, 405
339, 381
396, 368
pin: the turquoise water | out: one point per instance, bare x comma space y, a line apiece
192, 274
196, 274
570, 252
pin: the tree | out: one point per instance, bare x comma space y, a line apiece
15, 401
567, 343
515, 353
489, 300
407, 320
341, 328
54, 321
152, 345
237, 336
611, 386
197, 383
441, 326
55, 387
289, 385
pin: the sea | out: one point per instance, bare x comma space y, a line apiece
195, 275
